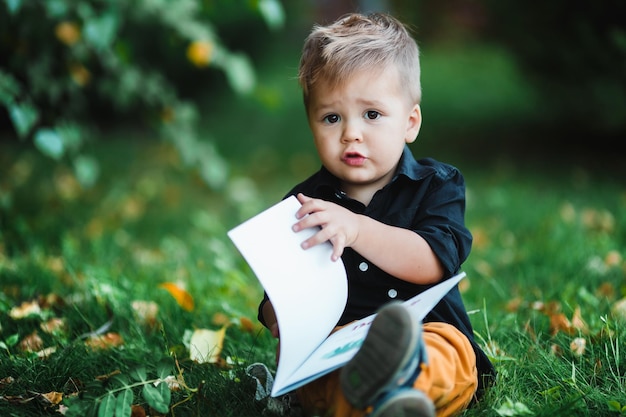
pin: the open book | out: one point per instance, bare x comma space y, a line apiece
308, 292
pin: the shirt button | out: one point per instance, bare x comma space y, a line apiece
363, 266
392, 293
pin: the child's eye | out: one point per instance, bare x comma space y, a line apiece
331, 118
372, 114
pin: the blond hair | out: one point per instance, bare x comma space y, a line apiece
357, 42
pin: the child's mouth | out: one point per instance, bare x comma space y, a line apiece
353, 158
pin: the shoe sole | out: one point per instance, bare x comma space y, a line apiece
388, 347
407, 403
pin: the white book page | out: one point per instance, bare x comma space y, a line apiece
308, 291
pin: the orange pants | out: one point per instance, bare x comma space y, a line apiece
449, 378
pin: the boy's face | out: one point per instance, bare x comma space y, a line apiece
360, 128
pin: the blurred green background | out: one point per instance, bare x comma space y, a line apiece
532, 83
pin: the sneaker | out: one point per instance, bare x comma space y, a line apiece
388, 359
405, 402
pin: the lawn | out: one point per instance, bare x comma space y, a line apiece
103, 289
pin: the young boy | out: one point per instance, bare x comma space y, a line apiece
397, 224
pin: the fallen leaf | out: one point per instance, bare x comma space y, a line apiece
560, 323
606, 290
31, 343
246, 324
105, 341
137, 411
578, 323
556, 350
182, 297
6, 381
53, 326
613, 258
513, 305
146, 312
27, 308
45, 353
619, 309
578, 346
220, 319
206, 345
53, 397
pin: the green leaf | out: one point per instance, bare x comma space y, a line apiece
139, 374
107, 406
154, 399
13, 6
614, 406
100, 31
164, 390
273, 13
24, 117
87, 170
49, 143
124, 403
240, 73
12, 340
164, 368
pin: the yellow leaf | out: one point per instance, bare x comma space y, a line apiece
67, 32
53, 397
206, 345
182, 297
199, 53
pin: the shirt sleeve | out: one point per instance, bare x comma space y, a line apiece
440, 219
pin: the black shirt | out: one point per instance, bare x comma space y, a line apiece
425, 196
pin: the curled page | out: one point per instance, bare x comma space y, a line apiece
308, 291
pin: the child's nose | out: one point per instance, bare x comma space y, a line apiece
352, 132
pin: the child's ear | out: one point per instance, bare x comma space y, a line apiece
414, 124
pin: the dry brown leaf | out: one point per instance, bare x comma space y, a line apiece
220, 319
246, 324
578, 323
4, 382
137, 411
556, 350
45, 353
146, 312
513, 305
27, 308
53, 397
606, 290
105, 341
31, 343
560, 323
619, 309
52, 326
613, 258
206, 345
578, 346
182, 297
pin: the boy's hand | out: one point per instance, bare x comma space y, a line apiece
338, 225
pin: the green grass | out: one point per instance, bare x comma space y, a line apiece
539, 242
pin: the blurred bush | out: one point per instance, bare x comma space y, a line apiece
572, 55
69, 67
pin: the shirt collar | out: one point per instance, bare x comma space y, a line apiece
407, 167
